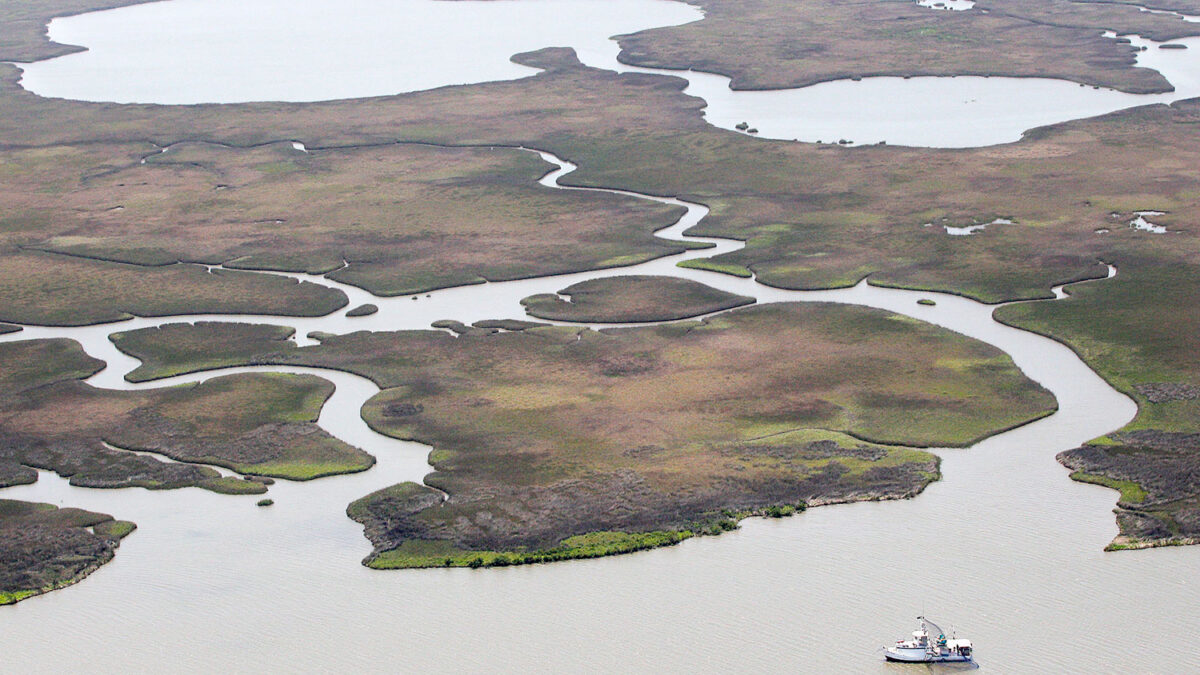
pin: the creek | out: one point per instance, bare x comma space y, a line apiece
1005, 547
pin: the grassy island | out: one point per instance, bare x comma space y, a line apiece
557, 442
180, 349
632, 299
776, 44
255, 424
43, 547
363, 310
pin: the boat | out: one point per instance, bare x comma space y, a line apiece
929, 644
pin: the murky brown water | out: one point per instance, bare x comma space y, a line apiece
1005, 548
193, 51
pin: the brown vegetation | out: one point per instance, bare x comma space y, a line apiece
40, 288
392, 218
23, 26
180, 348
258, 424
43, 547
550, 432
813, 216
632, 299
775, 44
1157, 473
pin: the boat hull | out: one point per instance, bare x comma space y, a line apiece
921, 656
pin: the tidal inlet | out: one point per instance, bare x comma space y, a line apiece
589, 336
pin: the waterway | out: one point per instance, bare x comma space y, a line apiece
226, 51
1005, 548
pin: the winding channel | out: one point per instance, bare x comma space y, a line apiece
501, 300
1005, 547
1004, 541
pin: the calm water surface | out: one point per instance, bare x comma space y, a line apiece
194, 51
223, 51
1005, 548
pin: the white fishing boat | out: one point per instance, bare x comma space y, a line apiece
929, 644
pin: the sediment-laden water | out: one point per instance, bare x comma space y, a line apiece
1005, 548
224, 51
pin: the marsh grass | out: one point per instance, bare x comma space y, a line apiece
260, 423
43, 547
631, 299
754, 42
1131, 492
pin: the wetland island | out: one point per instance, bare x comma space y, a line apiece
510, 284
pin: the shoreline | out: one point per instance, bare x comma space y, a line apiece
551, 179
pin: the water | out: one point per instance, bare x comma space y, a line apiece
1140, 222
225, 51
197, 51
938, 112
947, 5
1005, 548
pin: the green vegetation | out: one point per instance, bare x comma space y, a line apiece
221, 422
43, 547
506, 324
1138, 330
34, 286
306, 467
29, 364
1153, 470
631, 299
265, 502
724, 268
927, 302
592, 545
178, 348
552, 432
1131, 493
231, 485
417, 227
259, 424
774, 44
433, 553
114, 529
175, 350
9, 598
812, 216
